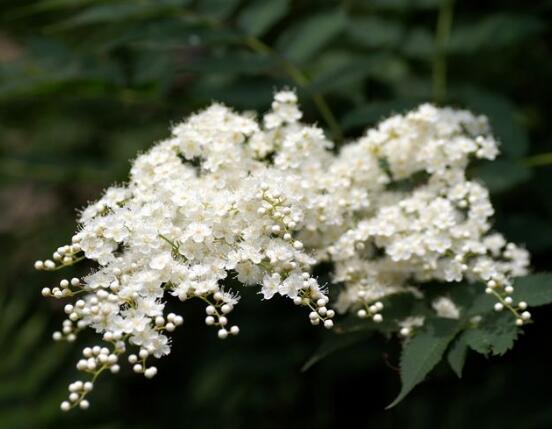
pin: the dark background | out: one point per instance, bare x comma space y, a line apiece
85, 85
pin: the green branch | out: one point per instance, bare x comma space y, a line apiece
539, 160
442, 34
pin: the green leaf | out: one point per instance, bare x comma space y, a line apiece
307, 38
419, 43
29, 334
353, 330
503, 117
495, 334
375, 32
47, 6
530, 229
372, 113
261, 15
118, 12
232, 64
246, 94
423, 352
502, 175
340, 71
469, 297
493, 32
217, 9
10, 314
457, 355
482, 303
535, 289
397, 307
333, 344
403, 5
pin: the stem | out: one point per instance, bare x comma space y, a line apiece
173, 245
539, 160
68, 264
442, 33
506, 305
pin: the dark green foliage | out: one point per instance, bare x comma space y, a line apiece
457, 355
535, 289
421, 353
495, 334
87, 84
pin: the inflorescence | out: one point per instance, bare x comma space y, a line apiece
265, 202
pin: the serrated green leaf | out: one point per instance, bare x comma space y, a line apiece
482, 303
423, 352
495, 334
535, 289
304, 40
261, 15
457, 355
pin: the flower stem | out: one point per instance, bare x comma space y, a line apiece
539, 160
68, 264
442, 34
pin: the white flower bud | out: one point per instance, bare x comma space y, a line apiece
150, 372
526, 315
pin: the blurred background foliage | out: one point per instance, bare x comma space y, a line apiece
86, 84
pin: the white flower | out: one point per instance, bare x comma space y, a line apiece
446, 308
291, 285
408, 325
249, 273
198, 232
160, 261
271, 285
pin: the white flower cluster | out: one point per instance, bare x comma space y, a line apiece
265, 202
